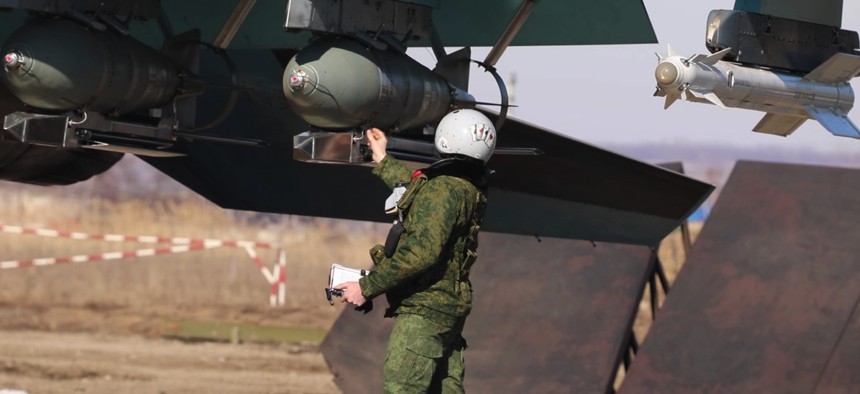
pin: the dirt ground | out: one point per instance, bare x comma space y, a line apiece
85, 350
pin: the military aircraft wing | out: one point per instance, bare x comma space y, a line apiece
551, 23
571, 190
208, 89
459, 23
579, 191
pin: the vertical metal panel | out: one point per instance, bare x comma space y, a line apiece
549, 317
766, 294
842, 369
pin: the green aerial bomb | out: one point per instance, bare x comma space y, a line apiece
341, 84
61, 65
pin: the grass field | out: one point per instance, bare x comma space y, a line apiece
193, 330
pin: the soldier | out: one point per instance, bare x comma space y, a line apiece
424, 267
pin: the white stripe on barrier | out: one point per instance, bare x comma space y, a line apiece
282, 279
12, 229
112, 256
150, 239
47, 233
114, 237
270, 277
42, 261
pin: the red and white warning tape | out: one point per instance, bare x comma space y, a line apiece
276, 276
149, 239
102, 256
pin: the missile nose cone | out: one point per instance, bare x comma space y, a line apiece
666, 73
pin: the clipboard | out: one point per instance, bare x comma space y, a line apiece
340, 274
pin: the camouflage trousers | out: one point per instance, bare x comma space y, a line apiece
424, 357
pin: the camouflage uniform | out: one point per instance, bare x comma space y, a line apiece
426, 278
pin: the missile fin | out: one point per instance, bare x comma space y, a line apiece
841, 67
834, 121
670, 98
454, 67
715, 57
697, 58
779, 124
709, 60
710, 96
672, 52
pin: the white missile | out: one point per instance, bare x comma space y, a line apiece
824, 94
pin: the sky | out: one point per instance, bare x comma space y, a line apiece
604, 94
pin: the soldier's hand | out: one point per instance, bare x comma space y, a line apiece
378, 142
351, 293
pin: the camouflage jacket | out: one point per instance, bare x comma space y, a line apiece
428, 273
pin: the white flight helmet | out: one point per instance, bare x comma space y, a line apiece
466, 132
